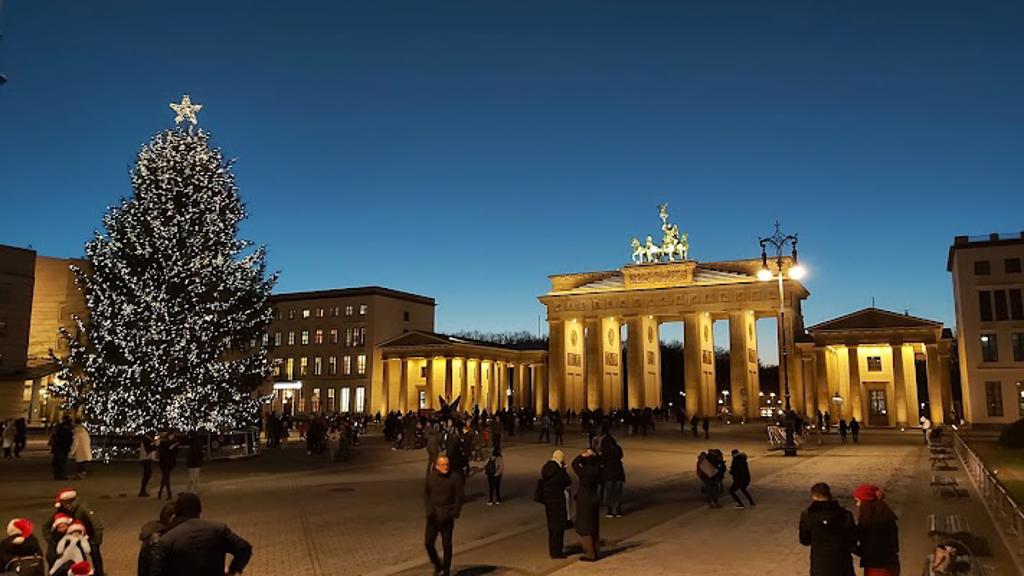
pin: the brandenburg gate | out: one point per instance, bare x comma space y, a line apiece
586, 312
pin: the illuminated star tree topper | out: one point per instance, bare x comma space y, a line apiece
185, 110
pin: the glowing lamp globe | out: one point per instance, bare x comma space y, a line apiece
797, 272
764, 274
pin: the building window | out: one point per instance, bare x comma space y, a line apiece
265, 339
362, 336
316, 400
346, 365
277, 313
291, 338
305, 337
348, 310
334, 335
362, 309
303, 366
405, 315
1012, 265
360, 399
1016, 305
348, 337
982, 268
994, 398
985, 305
252, 342
345, 393
423, 399
318, 336
1017, 339
291, 314
318, 366
319, 312
989, 348
1000, 305
305, 312
290, 369
332, 365
361, 364
277, 338
330, 400
277, 369
874, 363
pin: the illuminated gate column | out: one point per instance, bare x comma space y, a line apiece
556, 364
856, 388
464, 383
824, 401
403, 385
745, 383
610, 337
939, 392
699, 364
540, 388
644, 360
899, 382
593, 363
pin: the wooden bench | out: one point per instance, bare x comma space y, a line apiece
941, 461
940, 483
953, 525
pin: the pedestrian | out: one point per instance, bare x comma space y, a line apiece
693, 425
197, 547
587, 467
613, 475
545, 428
60, 446
150, 534
706, 425
878, 538
334, 443
554, 481
843, 430
828, 421
167, 456
559, 425
496, 431
67, 502
194, 462
443, 497
81, 453
20, 436
710, 471
8, 438
73, 548
147, 455
829, 530
58, 527
926, 427
855, 430
20, 552
739, 469
494, 469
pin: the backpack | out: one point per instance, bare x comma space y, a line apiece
490, 468
26, 566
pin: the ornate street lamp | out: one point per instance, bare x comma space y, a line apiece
778, 241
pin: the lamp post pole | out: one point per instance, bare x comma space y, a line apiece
778, 241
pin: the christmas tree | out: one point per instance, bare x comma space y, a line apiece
178, 303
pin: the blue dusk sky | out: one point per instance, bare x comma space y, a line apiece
467, 149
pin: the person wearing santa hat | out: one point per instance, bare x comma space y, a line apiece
74, 547
67, 502
20, 549
58, 527
878, 536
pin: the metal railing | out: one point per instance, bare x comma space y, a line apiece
1007, 514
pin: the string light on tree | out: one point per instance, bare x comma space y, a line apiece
175, 298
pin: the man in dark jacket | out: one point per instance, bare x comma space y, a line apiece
613, 475
60, 446
740, 472
443, 495
196, 547
554, 482
830, 531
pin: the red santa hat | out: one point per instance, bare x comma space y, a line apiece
61, 519
65, 494
76, 526
81, 569
20, 528
868, 492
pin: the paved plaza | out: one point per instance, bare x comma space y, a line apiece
304, 516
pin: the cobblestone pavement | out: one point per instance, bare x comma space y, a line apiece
304, 516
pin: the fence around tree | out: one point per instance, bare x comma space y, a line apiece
220, 446
1006, 513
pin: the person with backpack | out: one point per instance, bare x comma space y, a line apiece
878, 536
829, 530
20, 552
494, 469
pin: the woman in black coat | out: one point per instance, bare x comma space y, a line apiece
587, 467
878, 535
554, 482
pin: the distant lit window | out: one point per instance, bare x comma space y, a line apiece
994, 398
1012, 265
874, 363
266, 339
291, 338
334, 335
982, 268
346, 365
989, 348
319, 312
348, 337
277, 338
318, 366
332, 366
362, 336
277, 313
1017, 339
360, 399
305, 337
291, 314
318, 336
334, 310
361, 364
303, 366
348, 310
305, 312
362, 309
290, 369
315, 400
345, 399
331, 406
252, 343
